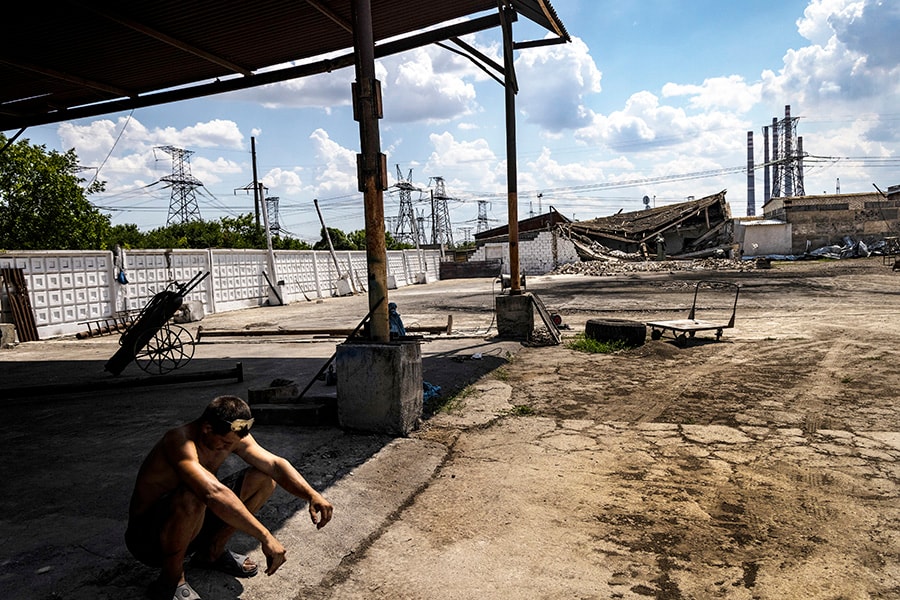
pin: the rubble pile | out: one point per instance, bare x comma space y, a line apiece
616, 267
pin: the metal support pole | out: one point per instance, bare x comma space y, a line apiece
255, 180
371, 165
511, 88
274, 286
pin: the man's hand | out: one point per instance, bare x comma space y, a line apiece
320, 510
274, 552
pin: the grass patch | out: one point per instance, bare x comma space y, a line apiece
501, 374
521, 410
581, 343
452, 403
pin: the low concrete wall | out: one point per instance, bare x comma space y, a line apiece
68, 289
470, 269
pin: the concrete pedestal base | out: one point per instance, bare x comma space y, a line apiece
379, 386
7, 335
515, 316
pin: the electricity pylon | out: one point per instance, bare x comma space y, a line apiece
183, 203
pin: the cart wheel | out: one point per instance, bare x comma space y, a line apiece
169, 348
718, 334
681, 340
655, 334
691, 333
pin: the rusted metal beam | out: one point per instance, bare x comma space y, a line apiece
113, 384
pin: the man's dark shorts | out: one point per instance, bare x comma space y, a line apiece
143, 533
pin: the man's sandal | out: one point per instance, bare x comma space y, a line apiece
182, 592
185, 592
230, 563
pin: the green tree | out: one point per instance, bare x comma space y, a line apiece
43, 205
338, 239
356, 240
242, 232
128, 235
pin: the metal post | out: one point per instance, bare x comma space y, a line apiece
274, 291
371, 165
766, 186
255, 180
337, 267
511, 87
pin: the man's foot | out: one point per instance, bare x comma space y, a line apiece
230, 563
160, 591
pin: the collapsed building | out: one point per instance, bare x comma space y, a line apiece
693, 229
830, 225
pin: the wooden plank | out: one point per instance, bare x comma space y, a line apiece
545, 316
20, 304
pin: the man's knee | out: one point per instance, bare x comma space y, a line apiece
187, 511
257, 485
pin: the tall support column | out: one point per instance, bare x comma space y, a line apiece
511, 88
751, 177
767, 191
371, 165
788, 170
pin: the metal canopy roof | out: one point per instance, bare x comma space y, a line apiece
69, 59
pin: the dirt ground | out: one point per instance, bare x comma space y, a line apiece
764, 465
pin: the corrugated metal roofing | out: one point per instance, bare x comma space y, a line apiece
73, 58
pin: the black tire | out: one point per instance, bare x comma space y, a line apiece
612, 330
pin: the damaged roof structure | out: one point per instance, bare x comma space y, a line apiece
693, 229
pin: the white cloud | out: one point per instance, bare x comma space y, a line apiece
286, 182
415, 90
324, 91
646, 125
473, 162
126, 151
554, 81
336, 166
730, 93
853, 57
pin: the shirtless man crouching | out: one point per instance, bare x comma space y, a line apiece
168, 518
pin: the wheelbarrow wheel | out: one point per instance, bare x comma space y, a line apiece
171, 347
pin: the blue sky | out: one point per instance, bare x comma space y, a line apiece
647, 90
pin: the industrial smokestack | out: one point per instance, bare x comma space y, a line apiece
767, 191
751, 178
788, 153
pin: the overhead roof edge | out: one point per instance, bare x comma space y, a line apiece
67, 62
542, 13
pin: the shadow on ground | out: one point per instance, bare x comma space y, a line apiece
73, 444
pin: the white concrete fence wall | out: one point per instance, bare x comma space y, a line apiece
68, 289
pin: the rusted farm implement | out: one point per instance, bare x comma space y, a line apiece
152, 341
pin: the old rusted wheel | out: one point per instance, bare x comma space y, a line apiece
172, 346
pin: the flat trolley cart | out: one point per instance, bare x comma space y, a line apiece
682, 329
